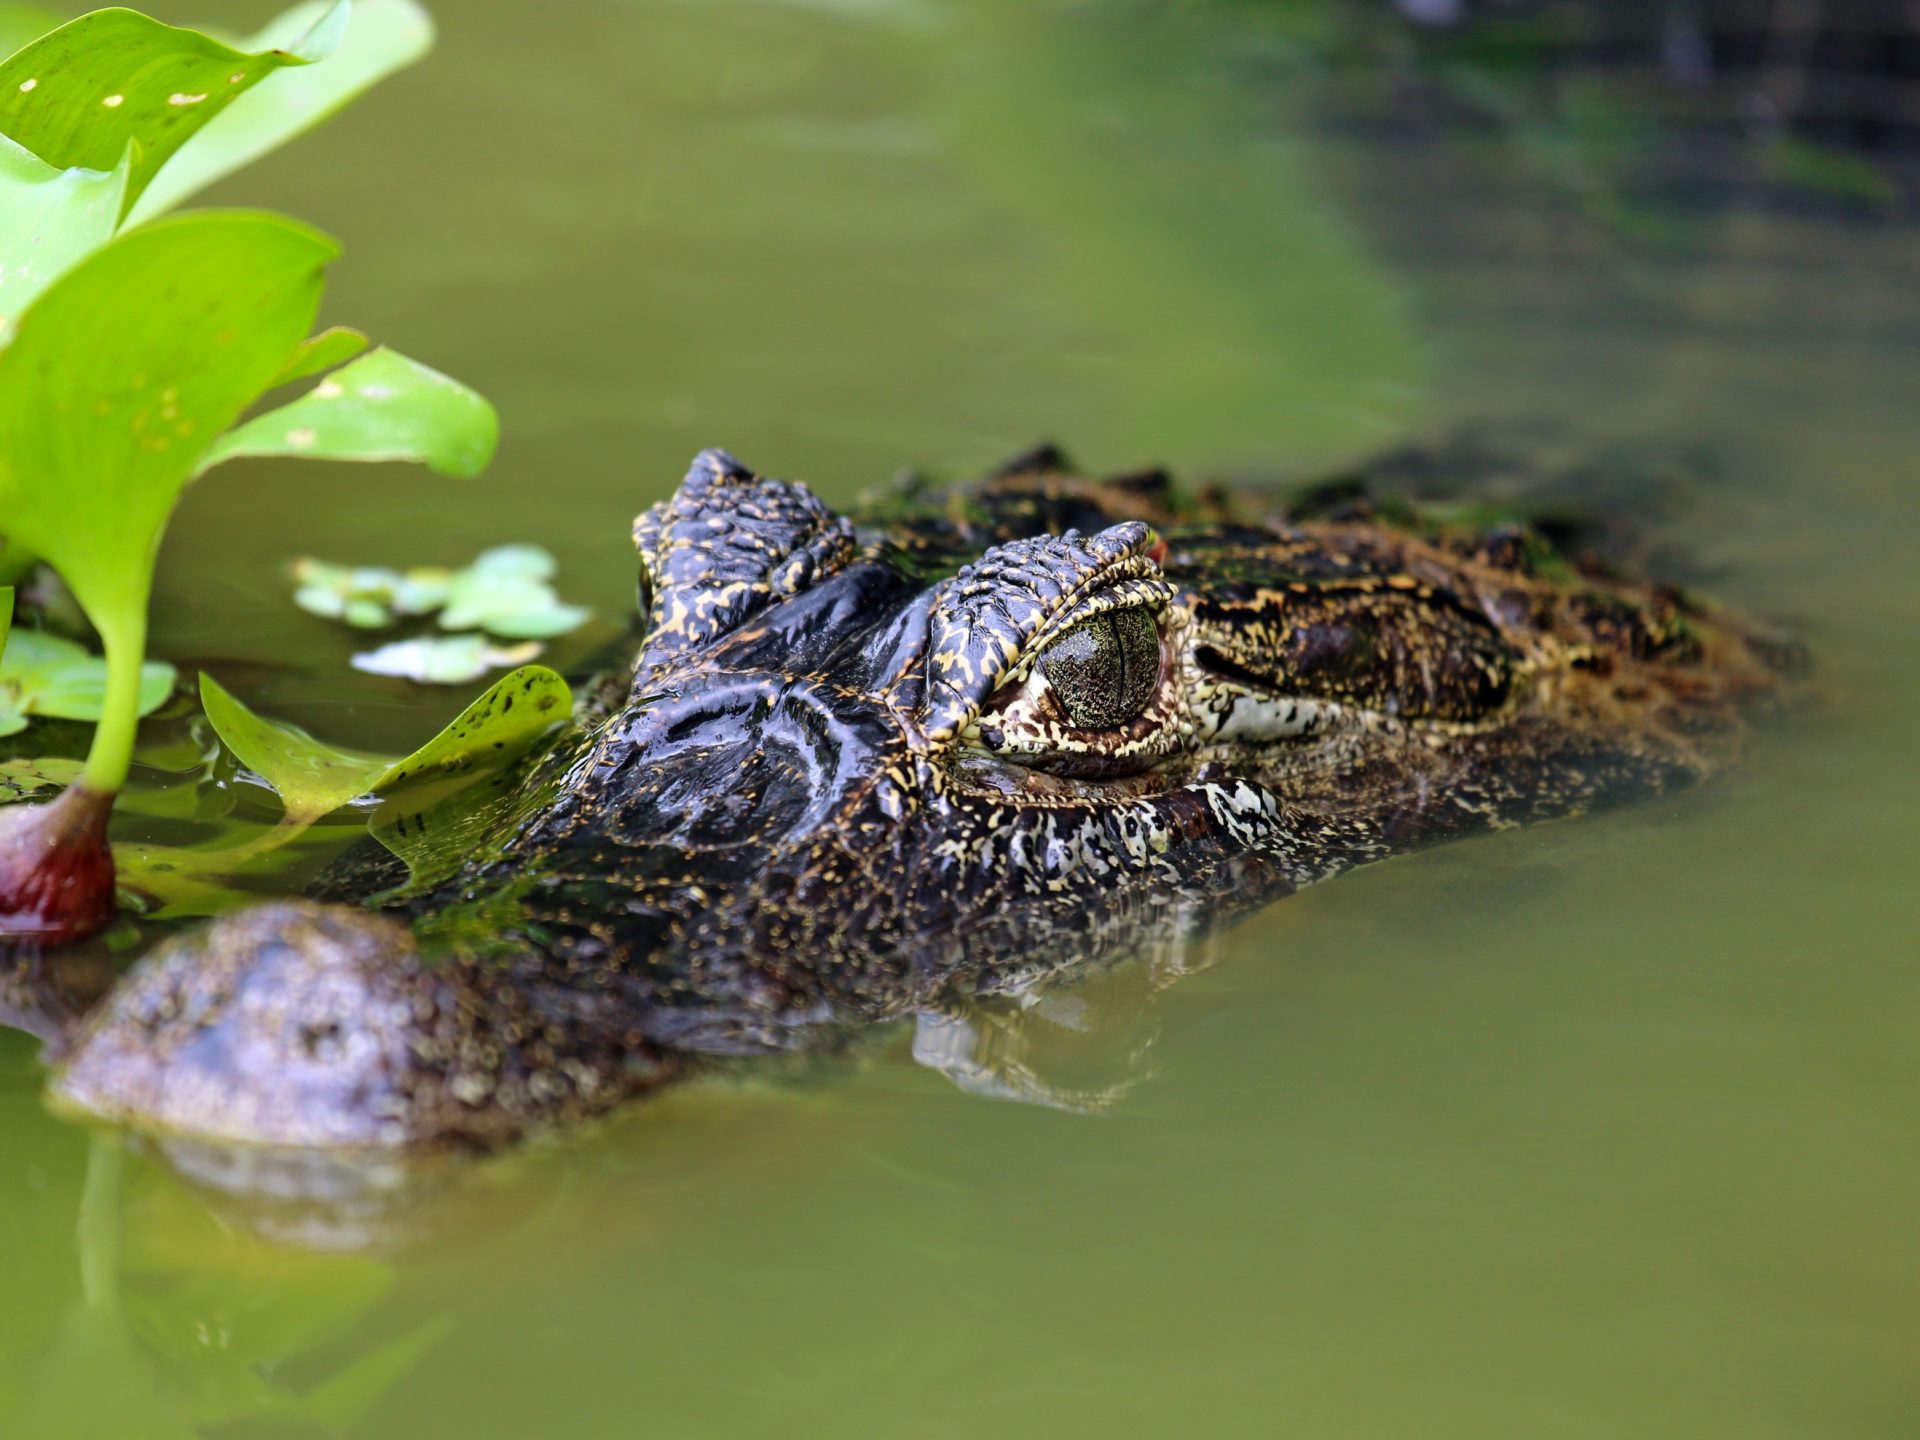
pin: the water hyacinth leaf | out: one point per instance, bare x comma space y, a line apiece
451, 660
421, 590
514, 562
436, 829
123, 372
42, 674
505, 591
333, 346
519, 613
449, 796
86, 92
382, 37
516, 710
31, 778
49, 218
312, 779
365, 596
331, 591
381, 407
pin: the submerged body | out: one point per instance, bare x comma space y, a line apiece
861, 770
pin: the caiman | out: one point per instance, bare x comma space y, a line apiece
863, 766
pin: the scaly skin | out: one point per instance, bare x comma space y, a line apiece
843, 788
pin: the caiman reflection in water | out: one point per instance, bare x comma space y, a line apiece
865, 769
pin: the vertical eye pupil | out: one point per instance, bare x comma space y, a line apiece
1104, 670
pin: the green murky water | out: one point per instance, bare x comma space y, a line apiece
1599, 1129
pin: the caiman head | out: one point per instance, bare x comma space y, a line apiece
862, 767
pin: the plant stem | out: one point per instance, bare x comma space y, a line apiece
124, 638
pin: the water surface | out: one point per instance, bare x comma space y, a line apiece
1596, 1129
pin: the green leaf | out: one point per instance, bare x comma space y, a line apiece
31, 778
452, 660
314, 778
524, 610
514, 712
311, 778
47, 675
505, 591
6, 615
514, 562
331, 347
437, 829
126, 369
84, 94
455, 793
49, 219
367, 596
381, 407
384, 36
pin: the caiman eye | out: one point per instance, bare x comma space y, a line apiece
1105, 669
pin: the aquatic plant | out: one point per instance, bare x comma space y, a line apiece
507, 592
131, 354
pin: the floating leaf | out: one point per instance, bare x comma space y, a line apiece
454, 793
368, 596
312, 779
114, 79
384, 36
435, 830
506, 592
515, 711
452, 660
514, 562
32, 779
381, 407
42, 674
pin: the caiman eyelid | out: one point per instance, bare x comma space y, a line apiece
1142, 592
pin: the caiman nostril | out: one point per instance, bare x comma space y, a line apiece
321, 1042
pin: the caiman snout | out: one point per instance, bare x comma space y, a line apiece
281, 1024
305, 1024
